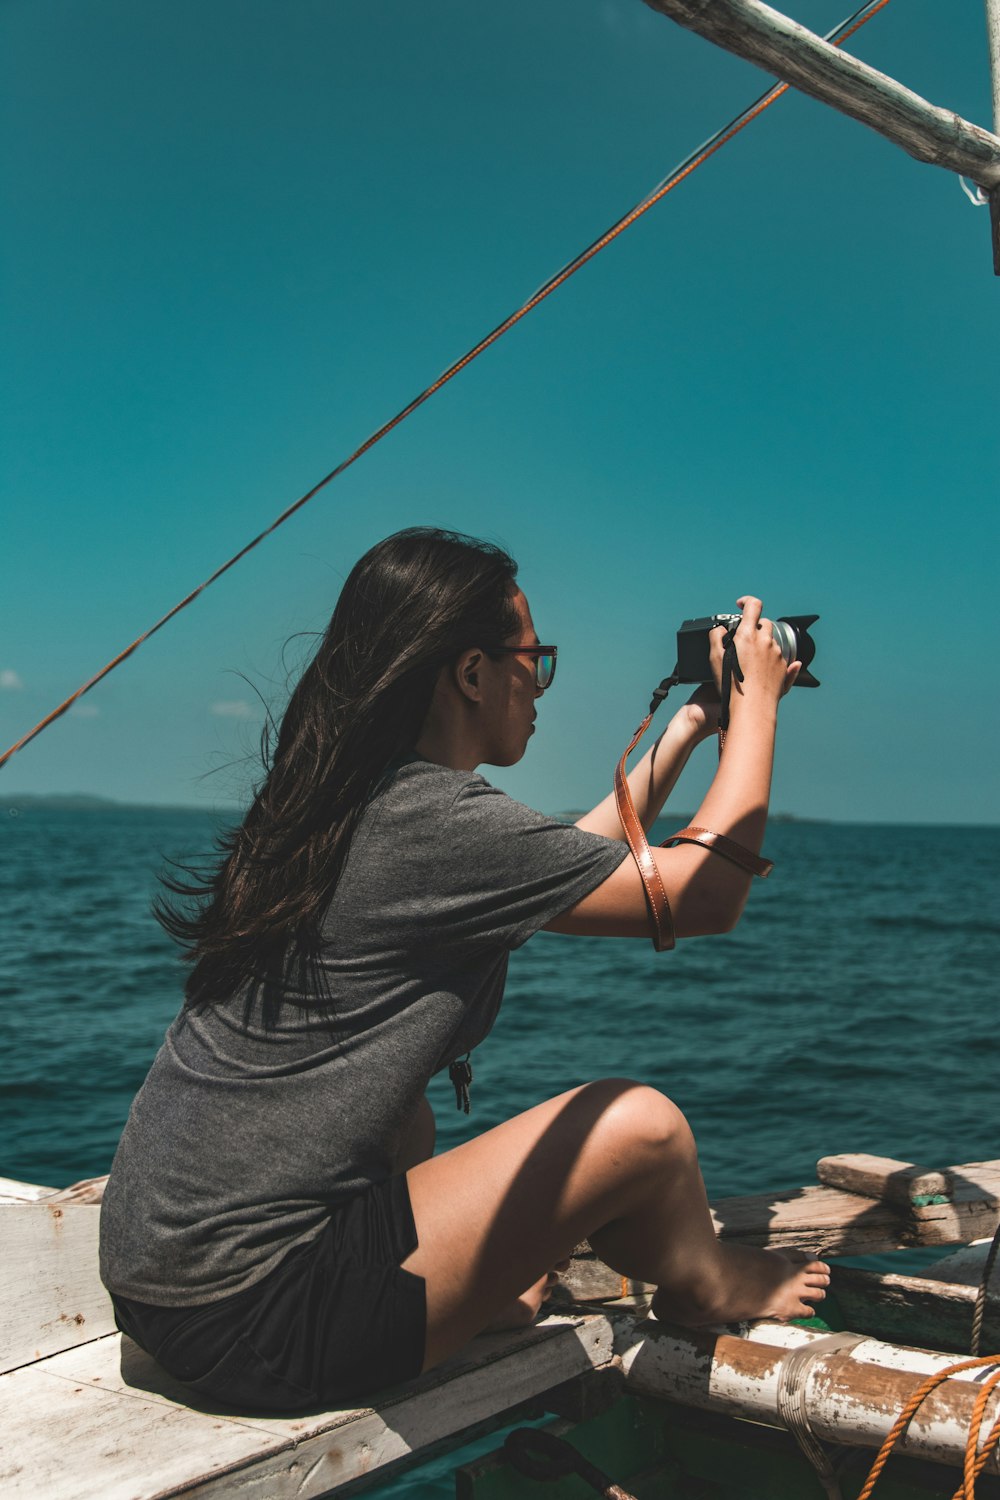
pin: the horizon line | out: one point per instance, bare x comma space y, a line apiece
98, 801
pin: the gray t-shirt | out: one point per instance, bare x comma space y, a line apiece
262, 1111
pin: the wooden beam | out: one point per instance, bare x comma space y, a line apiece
782, 47
993, 39
897, 1182
850, 1397
904, 1309
833, 1222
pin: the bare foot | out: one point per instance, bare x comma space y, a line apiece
524, 1309
749, 1283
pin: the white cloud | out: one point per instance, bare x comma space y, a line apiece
9, 679
85, 710
232, 708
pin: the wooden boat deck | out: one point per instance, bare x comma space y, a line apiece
85, 1413
102, 1421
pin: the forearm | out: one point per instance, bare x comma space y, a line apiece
651, 780
736, 802
735, 805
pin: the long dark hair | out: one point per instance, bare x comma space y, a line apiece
411, 605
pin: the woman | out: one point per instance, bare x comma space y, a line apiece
276, 1229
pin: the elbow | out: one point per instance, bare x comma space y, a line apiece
732, 907
720, 920
708, 920
716, 913
730, 919
710, 900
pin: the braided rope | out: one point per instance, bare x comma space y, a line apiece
975, 1463
980, 1310
972, 1466
837, 36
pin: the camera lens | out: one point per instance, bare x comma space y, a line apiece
787, 639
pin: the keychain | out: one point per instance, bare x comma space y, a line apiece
460, 1074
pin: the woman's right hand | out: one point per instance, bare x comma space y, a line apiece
766, 675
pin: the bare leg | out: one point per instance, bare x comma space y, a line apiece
614, 1161
525, 1309
418, 1145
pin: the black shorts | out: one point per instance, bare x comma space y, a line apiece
336, 1320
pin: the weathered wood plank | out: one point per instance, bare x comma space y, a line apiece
993, 40
301, 1456
899, 1182
913, 1309
53, 1296
851, 1398
89, 1190
837, 1223
588, 1279
12, 1191
69, 1441
789, 51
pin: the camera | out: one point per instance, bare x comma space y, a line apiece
791, 632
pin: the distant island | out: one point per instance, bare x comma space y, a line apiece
70, 800
683, 819
87, 802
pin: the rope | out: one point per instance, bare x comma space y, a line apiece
837, 36
980, 1310
975, 194
975, 1461
974, 1464
793, 1373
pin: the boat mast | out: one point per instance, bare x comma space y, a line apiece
781, 46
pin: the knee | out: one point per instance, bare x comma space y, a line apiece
645, 1123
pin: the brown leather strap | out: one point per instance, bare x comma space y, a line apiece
753, 864
656, 896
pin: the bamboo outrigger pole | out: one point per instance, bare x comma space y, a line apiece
798, 56
993, 35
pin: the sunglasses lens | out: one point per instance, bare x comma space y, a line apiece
545, 668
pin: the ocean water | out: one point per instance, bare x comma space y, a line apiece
853, 1009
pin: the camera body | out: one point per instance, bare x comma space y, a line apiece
791, 632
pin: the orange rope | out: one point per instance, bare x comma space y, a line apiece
550, 286
975, 1461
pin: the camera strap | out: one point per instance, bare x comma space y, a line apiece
730, 668
635, 835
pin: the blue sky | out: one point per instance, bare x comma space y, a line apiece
239, 235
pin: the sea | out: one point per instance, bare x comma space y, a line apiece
854, 1008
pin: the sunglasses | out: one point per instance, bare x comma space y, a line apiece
544, 657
